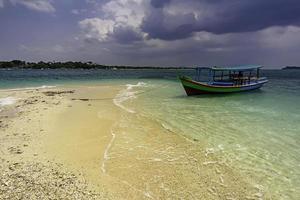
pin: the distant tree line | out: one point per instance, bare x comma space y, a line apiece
72, 65
291, 67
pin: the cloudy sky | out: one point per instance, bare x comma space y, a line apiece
152, 32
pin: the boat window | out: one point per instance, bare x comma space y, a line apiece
203, 75
235, 77
223, 76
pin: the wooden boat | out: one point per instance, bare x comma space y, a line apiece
224, 80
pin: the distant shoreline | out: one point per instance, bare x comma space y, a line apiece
18, 64
291, 68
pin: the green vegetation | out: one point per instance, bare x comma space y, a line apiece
290, 67
71, 65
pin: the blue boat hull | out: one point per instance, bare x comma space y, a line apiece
194, 88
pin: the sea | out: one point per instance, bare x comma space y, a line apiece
257, 132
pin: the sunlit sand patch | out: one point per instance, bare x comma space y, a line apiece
137, 157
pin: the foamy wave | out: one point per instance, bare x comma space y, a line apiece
127, 94
139, 84
105, 155
124, 95
31, 88
7, 101
167, 127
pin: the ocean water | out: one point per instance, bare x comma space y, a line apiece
256, 133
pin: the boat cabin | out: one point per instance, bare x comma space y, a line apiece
229, 76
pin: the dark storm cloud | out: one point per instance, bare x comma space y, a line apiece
159, 3
179, 26
126, 35
255, 15
220, 17
152, 32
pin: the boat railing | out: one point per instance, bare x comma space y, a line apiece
227, 76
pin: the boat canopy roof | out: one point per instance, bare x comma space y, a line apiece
234, 68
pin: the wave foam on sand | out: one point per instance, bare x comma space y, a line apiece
105, 156
127, 94
7, 101
30, 88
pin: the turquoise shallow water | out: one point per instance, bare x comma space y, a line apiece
257, 133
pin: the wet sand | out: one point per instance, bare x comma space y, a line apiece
78, 139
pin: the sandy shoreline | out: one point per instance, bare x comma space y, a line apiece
26, 173
59, 143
